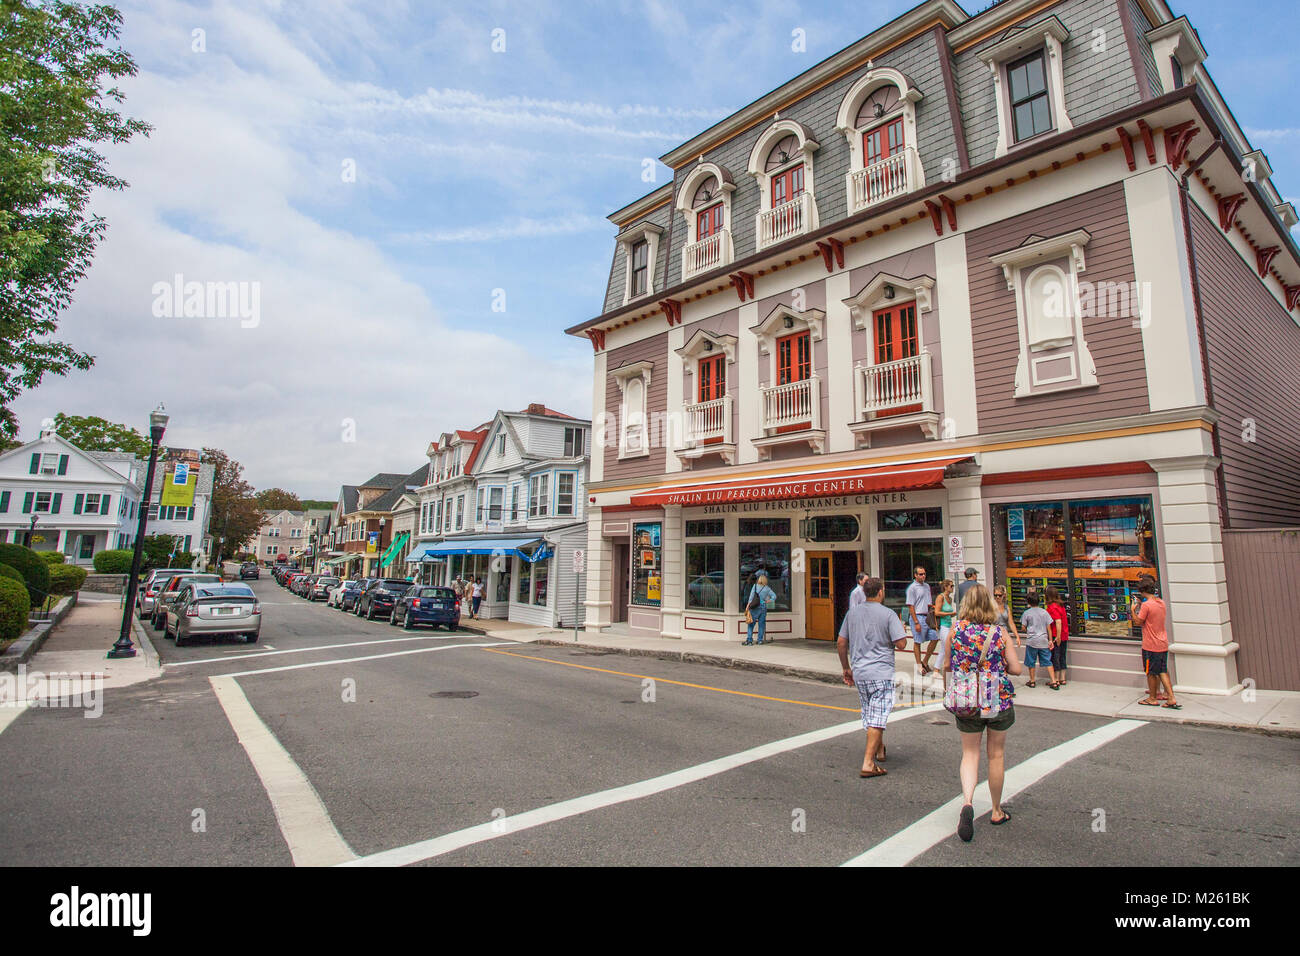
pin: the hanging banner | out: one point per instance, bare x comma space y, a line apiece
180, 477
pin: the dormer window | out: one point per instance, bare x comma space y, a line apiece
781, 161
708, 203
787, 179
878, 118
640, 267
1029, 83
1027, 86
704, 200
640, 250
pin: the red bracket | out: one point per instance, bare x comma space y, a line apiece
945, 208
1264, 257
597, 337
832, 248
1148, 141
1126, 141
673, 310
743, 283
950, 210
1228, 206
1177, 139
1292, 296
933, 210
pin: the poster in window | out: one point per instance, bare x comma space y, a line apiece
648, 558
652, 588
1016, 525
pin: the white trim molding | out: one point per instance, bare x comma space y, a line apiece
1050, 34
913, 174
875, 294
1177, 39
629, 238
695, 258
774, 327
632, 431
801, 219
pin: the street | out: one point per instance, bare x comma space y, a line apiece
392, 747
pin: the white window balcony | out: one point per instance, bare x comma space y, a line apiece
790, 219
882, 180
708, 431
894, 394
794, 403
707, 254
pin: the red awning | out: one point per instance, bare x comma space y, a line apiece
900, 476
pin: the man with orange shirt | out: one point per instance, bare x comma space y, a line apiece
1150, 612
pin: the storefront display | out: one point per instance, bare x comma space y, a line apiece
772, 559
705, 576
647, 581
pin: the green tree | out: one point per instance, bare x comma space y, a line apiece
57, 63
236, 515
96, 434
277, 499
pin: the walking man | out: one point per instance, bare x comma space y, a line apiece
919, 600
867, 640
857, 596
1150, 612
972, 579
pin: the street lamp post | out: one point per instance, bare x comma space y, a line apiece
124, 647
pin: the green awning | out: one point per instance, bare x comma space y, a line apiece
394, 549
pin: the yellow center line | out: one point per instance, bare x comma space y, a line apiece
680, 683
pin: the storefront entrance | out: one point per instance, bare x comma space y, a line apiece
832, 575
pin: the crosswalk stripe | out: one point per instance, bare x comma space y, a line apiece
931, 830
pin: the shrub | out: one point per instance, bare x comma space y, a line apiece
66, 578
53, 557
15, 607
35, 572
114, 561
8, 572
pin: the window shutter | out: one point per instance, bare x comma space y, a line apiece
77, 502
4, 501
63, 464
36, 463
103, 504
27, 502
57, 504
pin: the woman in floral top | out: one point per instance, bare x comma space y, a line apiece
977, 624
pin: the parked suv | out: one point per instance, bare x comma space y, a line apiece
427, 605
320, 588
380, 595
348, 597
249, 569
337, 592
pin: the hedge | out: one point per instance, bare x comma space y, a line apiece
14, 609
8, 572
53, 557
66, 578
28, 563
114, 561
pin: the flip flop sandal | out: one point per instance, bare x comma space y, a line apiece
966, 823
1054, 686
878, 772
1150, 703
1172, 706
1031, 683
998, 823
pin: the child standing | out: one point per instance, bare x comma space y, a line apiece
1035, 622
1058, 633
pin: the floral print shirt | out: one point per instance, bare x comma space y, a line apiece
967, 643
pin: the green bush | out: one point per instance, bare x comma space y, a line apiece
35, 572
8, 572
14, 609
53, 557
114, 561
66, 578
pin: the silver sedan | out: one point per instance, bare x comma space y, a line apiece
209, 609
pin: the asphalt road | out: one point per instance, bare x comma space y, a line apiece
452, 749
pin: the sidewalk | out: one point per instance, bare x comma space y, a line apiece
79, 645
1276, 712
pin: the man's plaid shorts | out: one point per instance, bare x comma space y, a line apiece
877, 702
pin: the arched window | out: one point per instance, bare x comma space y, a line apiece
785, 166
878, 118
707, 205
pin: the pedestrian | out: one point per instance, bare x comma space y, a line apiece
1038, 645
458, 589
477, 596
972, 577
867, 640
857, 595
1150, 611
979, 658
1005, 619
919, 600
1059, 633
760, 596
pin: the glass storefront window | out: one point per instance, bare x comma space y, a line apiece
929, 519
1092, 550
541, 571
525, 585
706, 576
647, 568
772, 559
708, 528
503, 586
765, 527
899, 560
825, 528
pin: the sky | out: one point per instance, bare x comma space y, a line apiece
411, 197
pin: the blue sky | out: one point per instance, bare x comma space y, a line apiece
475, 171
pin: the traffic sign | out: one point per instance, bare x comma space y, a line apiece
579, 560
956, 553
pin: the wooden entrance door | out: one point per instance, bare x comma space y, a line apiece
819, 598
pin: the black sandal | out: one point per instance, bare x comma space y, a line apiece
997, 823
966, 823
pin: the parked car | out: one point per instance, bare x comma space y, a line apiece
211, 609
169, 590
348, 598
302, 584
147, 593
320, 588
249, 569
380, 595
422, 604
335, 598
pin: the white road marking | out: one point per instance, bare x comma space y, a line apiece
9, 712
427, 849
304, 822
353, 660
237, 654
929, 831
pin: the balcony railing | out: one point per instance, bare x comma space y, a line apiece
707, 254
883, 180
894, 386
795, 403
709, 421
789, 219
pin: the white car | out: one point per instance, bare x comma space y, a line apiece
335, 598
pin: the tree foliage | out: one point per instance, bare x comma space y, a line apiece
236, 515
96, 434
58, 61
277, 499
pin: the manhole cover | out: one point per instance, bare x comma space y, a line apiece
454, 694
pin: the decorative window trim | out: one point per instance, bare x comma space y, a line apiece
1018, 266
773, 327
650, 233
873, 297
623, 375
686, 194
758, 160
1049, 34
872, 80
1175, 39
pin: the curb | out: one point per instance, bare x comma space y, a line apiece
24, 649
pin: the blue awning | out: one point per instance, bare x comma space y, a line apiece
502, 546
540, 554
420, 555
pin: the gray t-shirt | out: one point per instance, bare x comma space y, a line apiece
919, 598
963, 588
1034, 622
871, 630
